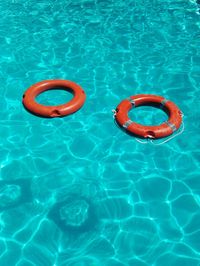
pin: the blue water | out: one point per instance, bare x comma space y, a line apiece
77, 190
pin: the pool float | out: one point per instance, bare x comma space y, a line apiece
54, 111
154, 132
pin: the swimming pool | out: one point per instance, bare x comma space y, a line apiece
77, 190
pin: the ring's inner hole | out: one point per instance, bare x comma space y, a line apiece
55, 96
148, 115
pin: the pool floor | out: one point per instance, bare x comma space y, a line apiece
77, 190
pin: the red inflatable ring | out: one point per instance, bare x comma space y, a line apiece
167, 128
53, 111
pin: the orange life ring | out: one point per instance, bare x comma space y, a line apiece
165, 129
54, 111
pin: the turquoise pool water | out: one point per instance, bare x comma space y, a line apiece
78, 191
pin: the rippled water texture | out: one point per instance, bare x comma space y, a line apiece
78, 191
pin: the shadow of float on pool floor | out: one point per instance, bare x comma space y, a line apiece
14, 193
74, 215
